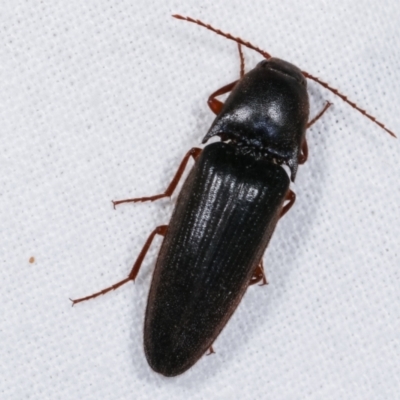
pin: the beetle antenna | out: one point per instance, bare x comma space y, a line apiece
306, 74
345, 99
242, 63
224, 34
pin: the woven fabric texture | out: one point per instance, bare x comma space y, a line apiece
100, 100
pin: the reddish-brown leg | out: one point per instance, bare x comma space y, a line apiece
291, 198
160, 230
304, 152
210, 351
320, 114
194, 152
259, 275
304, 148
216, 105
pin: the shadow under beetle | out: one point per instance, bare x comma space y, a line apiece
227, 209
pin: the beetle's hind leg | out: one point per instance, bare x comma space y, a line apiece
160, 230
194, 152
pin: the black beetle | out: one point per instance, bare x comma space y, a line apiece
226, 211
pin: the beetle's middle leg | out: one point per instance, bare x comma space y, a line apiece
194, 152
259, 275
304, 152
160, 230
291, 198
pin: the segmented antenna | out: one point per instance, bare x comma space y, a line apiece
306, 74
242, 64
226, 35
344, 98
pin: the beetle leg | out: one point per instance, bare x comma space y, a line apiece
210, 351
194, 152
259, 275
160, 230
291, 198
304, 148
304, 152
320, 114
216, 105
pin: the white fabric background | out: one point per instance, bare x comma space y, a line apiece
100, 100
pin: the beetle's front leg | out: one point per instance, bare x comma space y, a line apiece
320, 114
304, 148
194, 152
259, 274
216, 105
160, 230
304, 152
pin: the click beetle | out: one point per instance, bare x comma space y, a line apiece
227, 209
